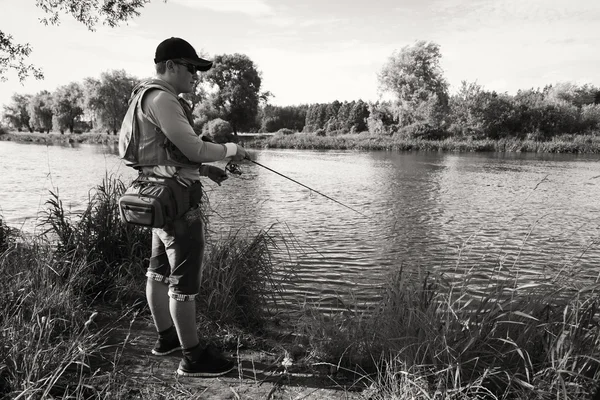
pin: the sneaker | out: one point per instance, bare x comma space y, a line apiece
210, 364
164, 346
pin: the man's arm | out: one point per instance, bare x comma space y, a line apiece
164, 109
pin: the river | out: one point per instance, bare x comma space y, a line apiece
476, 213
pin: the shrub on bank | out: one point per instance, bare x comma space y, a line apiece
219, 130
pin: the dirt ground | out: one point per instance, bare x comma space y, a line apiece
259, 375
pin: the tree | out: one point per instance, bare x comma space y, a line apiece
89, 13
108, 97
16, 113
359, 114
67, 106
12, 56
274, 118
572, 93
40, 111
237, 95
415, 78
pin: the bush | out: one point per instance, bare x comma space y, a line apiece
220, 130
285, 131
320, 132
422, 130
590, 117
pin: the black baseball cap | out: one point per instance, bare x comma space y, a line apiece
177, 48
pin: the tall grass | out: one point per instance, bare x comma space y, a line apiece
114, 253
53, 284
445, 340
238, 283
365, 141
44, 328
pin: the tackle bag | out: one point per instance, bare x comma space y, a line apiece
153, 202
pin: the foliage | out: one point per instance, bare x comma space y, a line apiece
381, 118
220, 131
572, 93
477, 113
44, 325
110, 13
67, 106
40, 111
7, 238
89, 13
108, 97
113, 251
16, 113
274, 118
237, 95
415, 78
509, 340
316, 117
12, 56
285, 131
590, 117
542, 118
238, 284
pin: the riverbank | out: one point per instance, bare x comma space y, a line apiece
571, 144
58, 138
575, 144
80, 296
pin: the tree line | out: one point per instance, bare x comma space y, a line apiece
419, 104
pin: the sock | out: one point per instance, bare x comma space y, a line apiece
193, 353
168, 333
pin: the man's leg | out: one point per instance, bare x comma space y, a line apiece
157, 296
185, 256
184, 316
158, 301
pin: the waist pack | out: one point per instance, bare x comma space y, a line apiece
154, 202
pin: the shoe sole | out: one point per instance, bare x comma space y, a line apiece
164, 353
203, 374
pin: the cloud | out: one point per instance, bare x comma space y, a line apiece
255, 8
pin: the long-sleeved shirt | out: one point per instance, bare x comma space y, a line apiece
164, 110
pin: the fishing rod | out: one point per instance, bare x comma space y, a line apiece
309, 188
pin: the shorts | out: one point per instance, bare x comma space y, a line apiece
176, 257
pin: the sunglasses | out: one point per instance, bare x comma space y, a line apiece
191, 68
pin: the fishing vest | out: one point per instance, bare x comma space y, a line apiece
141, 142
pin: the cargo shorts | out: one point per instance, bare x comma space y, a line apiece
176, 257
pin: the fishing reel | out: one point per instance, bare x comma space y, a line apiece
233, 168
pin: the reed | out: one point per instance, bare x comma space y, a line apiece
581, 144
53, 284
44, 325
238, 282
446, 340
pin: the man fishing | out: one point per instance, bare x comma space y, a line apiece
157, 139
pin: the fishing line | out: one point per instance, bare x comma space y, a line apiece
309, 188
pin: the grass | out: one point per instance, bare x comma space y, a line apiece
567, 143
370, 142
57, 137
428, 338
53, 284
432, 339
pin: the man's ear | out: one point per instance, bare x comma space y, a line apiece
170, 65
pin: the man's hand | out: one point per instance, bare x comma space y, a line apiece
216, 174
241, 154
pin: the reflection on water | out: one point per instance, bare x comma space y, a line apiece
476, 214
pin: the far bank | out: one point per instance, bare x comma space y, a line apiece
574, 144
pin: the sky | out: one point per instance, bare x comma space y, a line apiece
317, 51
